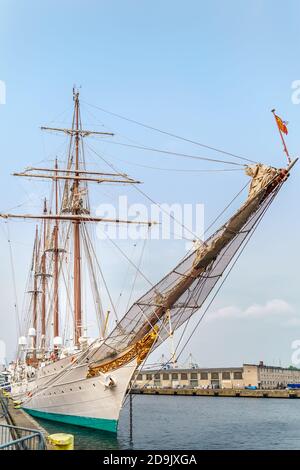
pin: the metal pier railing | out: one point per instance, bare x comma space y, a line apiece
15, 438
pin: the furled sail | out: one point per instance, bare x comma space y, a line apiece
184, 290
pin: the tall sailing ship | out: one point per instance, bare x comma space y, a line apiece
81, 381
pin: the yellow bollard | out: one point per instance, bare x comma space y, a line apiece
62, 441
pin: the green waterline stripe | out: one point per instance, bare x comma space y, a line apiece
95, 423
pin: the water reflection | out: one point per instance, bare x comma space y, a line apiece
173, 422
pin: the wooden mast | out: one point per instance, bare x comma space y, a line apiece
76, 234
43, 274
56, 252
35, 291
73, 214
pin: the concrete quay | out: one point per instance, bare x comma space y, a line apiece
226, 392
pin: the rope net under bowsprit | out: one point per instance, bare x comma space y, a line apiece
184, 290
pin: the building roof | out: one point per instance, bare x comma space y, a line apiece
200, 369
265, 366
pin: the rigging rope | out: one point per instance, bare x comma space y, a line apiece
213, 298
180, 170
227, 274
97, 298
125, 278
176, 154
13, 278
169, 133
226, 207
128, 259
146, 196
139, 144
103, 278
136, 274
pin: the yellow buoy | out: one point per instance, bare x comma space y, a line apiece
61, 441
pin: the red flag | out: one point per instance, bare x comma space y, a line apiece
282, 125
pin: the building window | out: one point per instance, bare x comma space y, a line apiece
237, 375
174, 376
165, 376
194, 380
226, 375
149, 376
215, 375
204, 376
157, 379
184, 376
139, 377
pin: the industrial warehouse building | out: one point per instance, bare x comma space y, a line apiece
254, 375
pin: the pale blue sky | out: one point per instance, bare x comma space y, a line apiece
210, 71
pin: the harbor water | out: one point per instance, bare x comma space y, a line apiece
178, 422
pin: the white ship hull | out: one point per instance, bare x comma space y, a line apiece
68, 396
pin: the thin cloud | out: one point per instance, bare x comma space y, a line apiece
272, 308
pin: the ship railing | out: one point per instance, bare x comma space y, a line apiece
16, 438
